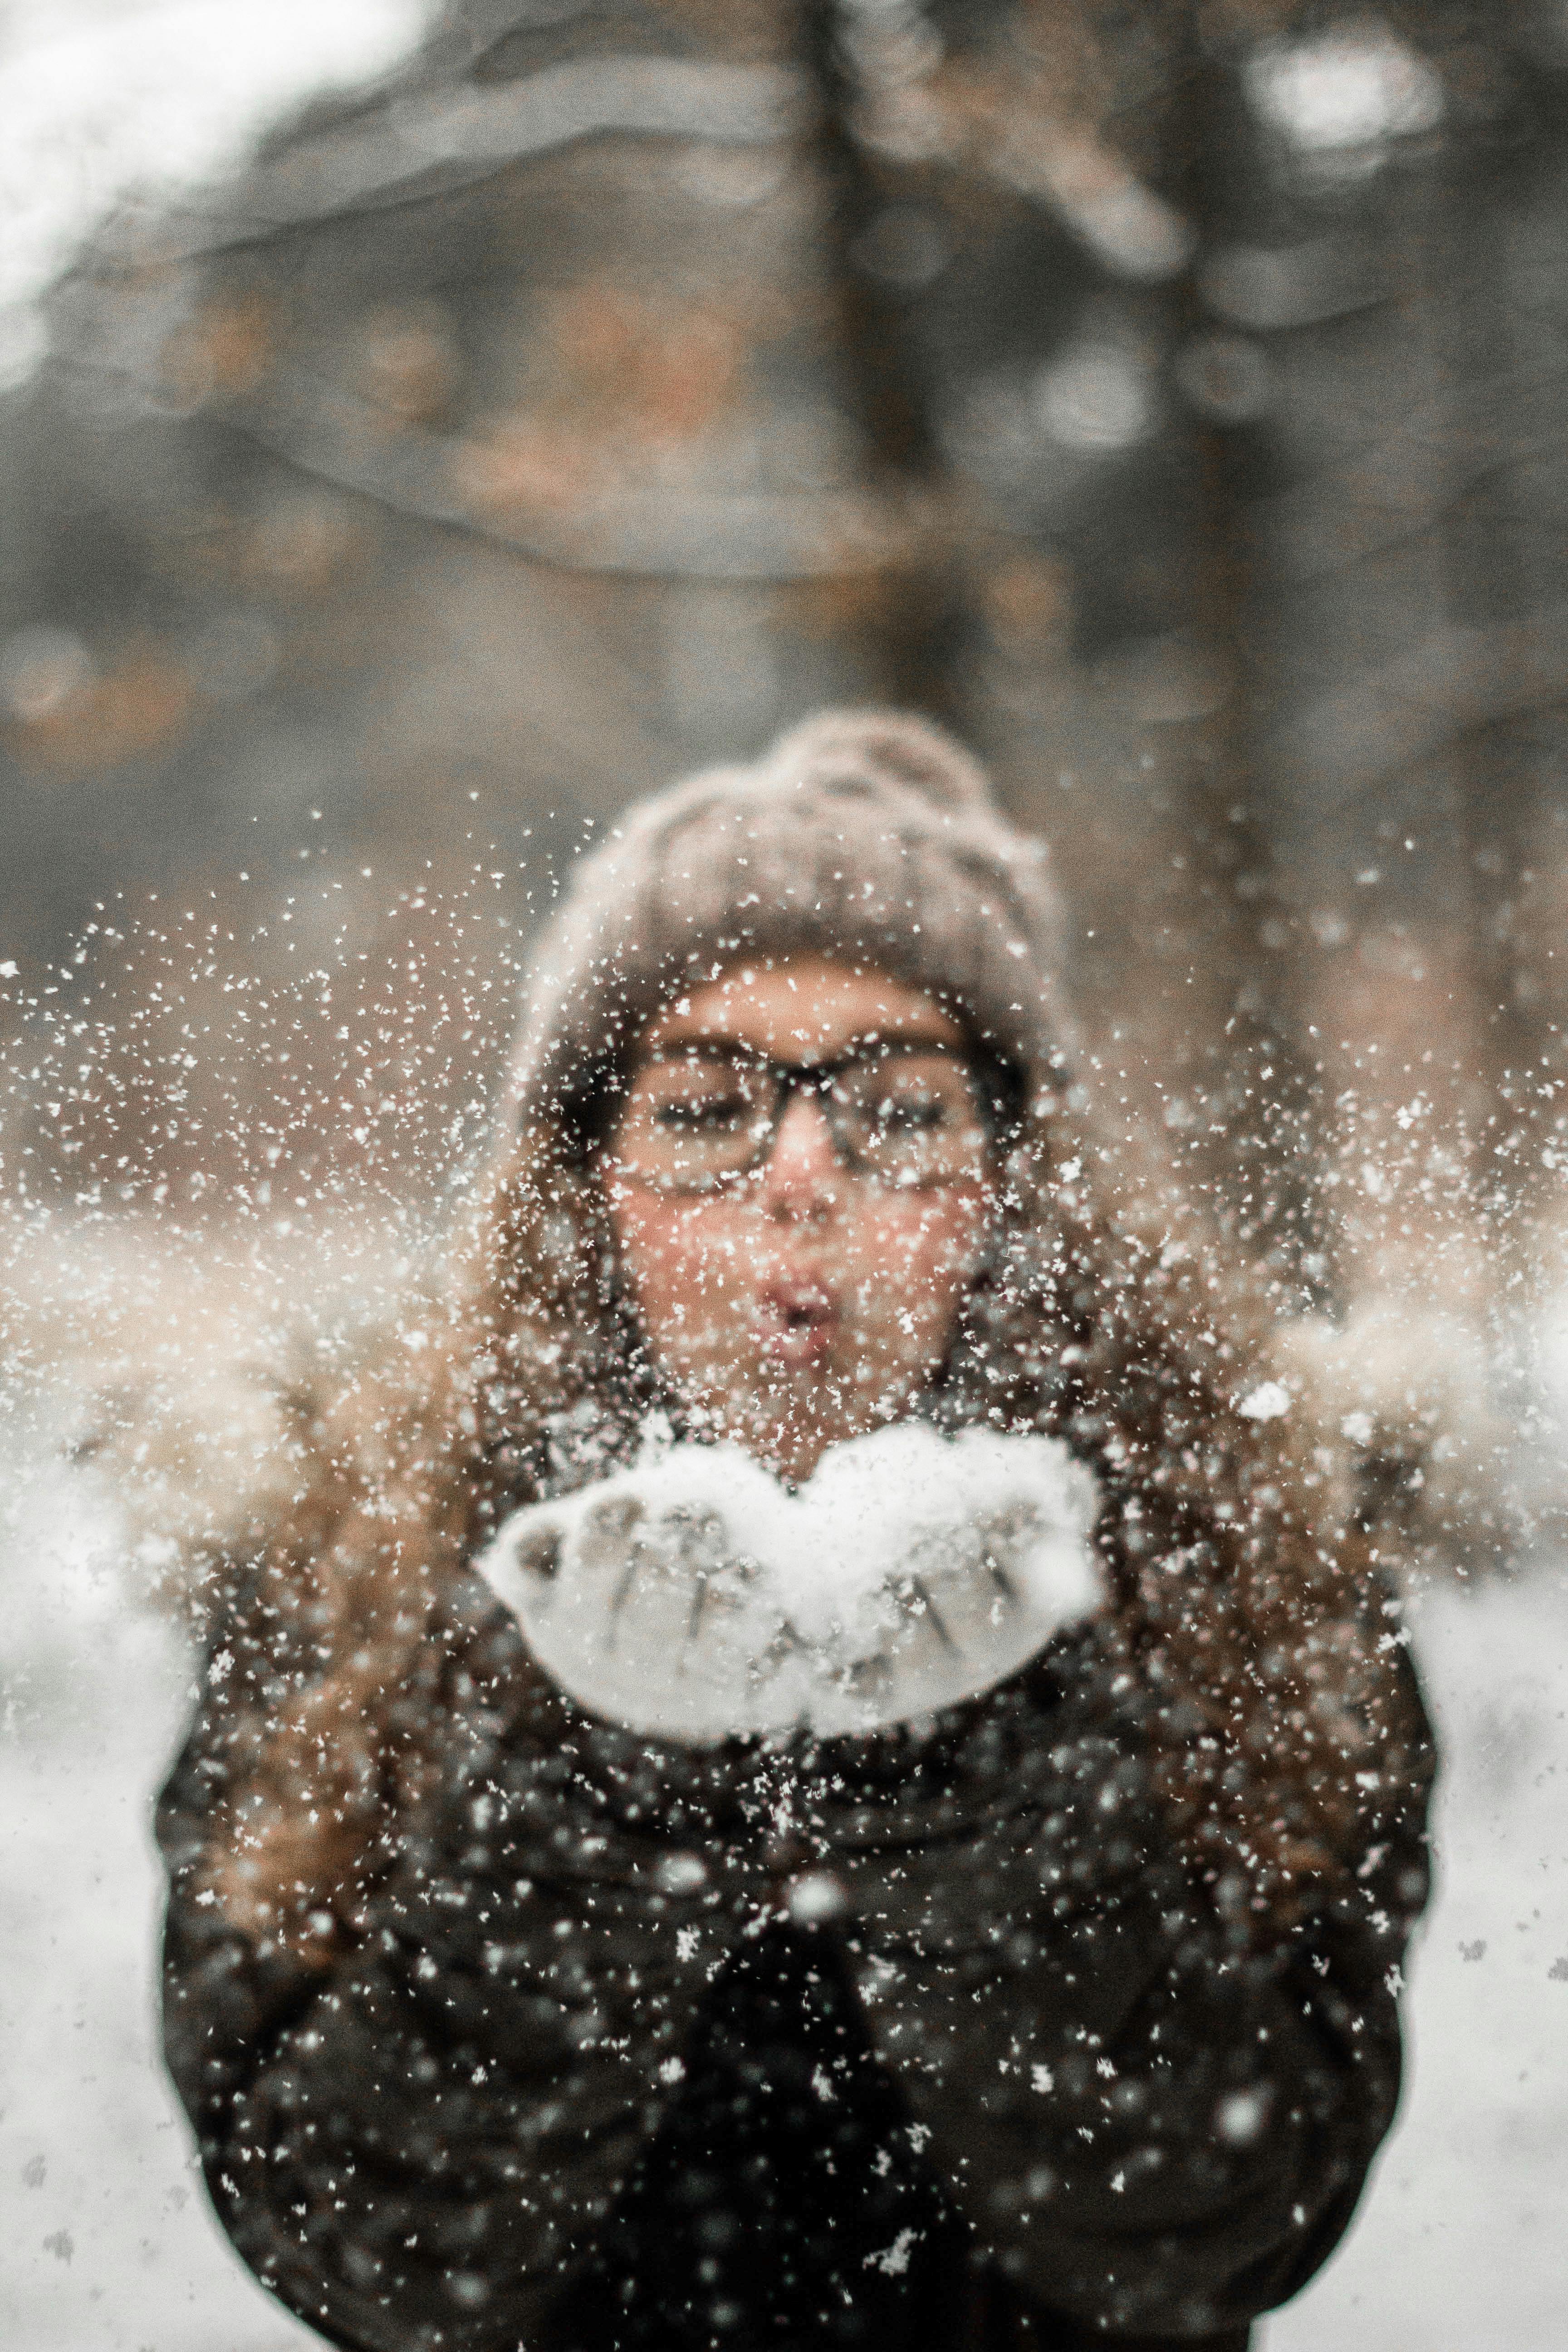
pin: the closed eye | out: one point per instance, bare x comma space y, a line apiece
911, 1116
708, 1118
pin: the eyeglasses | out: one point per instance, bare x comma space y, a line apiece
904, 1114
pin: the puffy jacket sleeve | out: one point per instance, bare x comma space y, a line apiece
1157, 2128
415, 2141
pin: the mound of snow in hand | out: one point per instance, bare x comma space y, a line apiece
693, 1597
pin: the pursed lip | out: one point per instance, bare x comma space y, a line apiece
797, 1319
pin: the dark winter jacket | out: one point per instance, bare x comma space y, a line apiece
922, 2039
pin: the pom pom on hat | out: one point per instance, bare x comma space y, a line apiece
841, 751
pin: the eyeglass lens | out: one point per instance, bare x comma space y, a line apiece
695, 1122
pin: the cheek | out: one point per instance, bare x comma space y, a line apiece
680, 1261
917, 1254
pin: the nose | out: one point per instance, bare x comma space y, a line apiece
800, 1177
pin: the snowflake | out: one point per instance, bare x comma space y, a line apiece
894, 2260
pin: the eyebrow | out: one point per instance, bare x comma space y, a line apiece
706, 1040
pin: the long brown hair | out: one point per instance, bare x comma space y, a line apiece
1248, 1611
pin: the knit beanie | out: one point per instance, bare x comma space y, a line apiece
868, 836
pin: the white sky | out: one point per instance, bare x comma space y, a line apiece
102, 97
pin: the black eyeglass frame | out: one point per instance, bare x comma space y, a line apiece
996, 1092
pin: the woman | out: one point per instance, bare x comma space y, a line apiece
799, 1767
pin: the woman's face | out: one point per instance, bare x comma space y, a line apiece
805, 1300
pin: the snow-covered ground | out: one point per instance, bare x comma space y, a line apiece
108, 2246
1459, 2245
